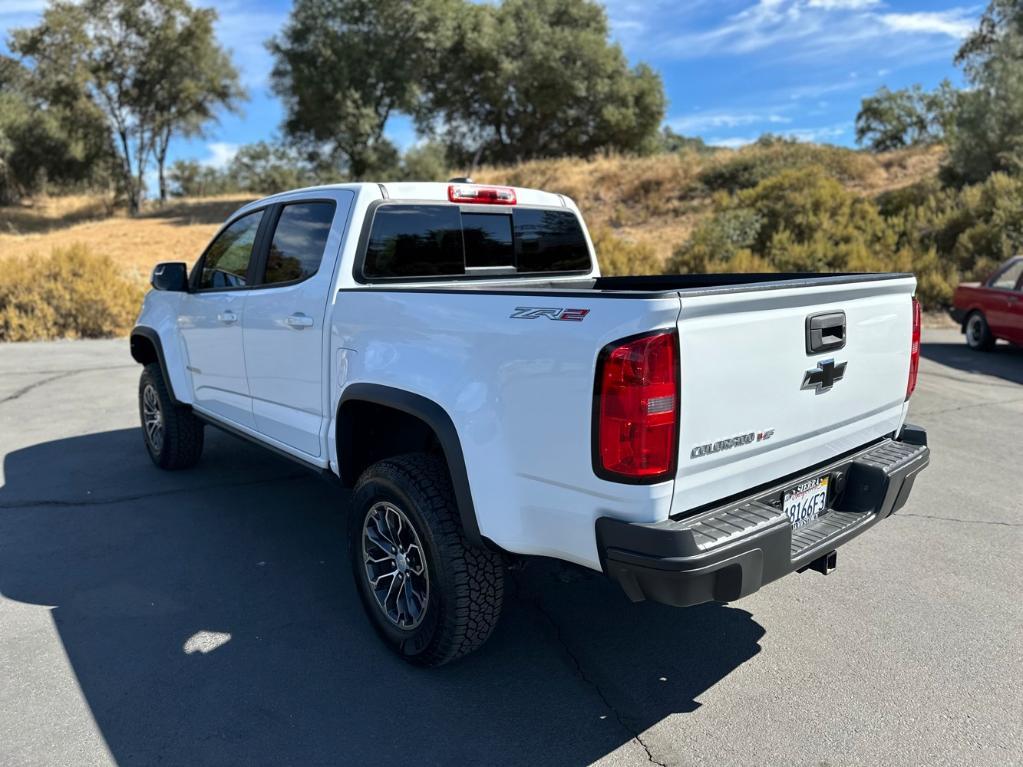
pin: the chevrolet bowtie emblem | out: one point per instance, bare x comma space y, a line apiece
824, 377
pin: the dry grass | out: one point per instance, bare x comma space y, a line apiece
177, 232
655, 202
652, 203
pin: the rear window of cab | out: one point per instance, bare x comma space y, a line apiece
421, 241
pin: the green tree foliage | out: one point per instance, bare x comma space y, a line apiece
267, 168
189, 178
672, 142
145, 64
344, 67
907, 117
44, 146
988, 132
539, 78
425, 162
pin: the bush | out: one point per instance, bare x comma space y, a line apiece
806, 221
969, 231
72, 293
770, 156
618, 256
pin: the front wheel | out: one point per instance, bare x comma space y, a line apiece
978, 333
172, 434
430, 594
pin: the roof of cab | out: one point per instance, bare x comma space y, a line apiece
417, 190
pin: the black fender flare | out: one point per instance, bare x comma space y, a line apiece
437, 418
142, 331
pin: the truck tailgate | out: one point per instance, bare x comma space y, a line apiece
752, 411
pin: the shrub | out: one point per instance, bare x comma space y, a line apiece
618, 256
770, 156
72, 293
805, 221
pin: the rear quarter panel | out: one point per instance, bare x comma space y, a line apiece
520, 393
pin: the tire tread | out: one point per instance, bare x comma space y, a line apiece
477, 575
183, 433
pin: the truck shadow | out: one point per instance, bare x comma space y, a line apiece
209, 617
1004, 361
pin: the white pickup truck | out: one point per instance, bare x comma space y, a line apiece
451, 352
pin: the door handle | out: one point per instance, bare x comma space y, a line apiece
299, 321
227, 317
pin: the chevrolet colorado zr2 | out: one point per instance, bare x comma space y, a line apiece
452, 354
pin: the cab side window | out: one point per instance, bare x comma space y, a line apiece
226, 263
298, 242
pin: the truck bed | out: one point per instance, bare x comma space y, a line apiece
650, 286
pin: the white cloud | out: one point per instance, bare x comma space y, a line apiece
711, 119
731, 143
846, 5
220, 154
814, 135
809, 29
955, 23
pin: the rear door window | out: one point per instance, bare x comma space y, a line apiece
226, 262
417, 241
298, 242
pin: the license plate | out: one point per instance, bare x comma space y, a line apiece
807, 501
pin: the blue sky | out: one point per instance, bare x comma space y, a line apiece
732, 69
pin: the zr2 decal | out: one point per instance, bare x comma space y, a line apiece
562, 315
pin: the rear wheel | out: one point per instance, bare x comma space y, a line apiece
430, 594
172, 434
978, 334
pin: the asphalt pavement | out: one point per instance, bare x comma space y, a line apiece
208, 616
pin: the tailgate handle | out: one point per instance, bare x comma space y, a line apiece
825, 332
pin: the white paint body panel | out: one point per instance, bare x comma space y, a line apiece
213, 347
286, 363
743, 358
520, 392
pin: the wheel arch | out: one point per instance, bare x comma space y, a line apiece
415, 424
146, 348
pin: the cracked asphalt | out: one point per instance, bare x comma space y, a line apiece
208, 616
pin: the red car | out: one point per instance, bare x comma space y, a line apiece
993, 309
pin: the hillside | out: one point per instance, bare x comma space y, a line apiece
652, 201
177, 232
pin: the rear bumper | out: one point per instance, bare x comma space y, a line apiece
732, 550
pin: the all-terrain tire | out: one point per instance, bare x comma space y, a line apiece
465, 584
176, 440
978, 333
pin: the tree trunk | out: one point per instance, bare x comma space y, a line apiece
127, 176
161, 161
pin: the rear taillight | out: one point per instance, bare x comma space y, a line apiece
914, 351
636, 411
490, 195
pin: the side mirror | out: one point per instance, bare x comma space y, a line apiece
170, 276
